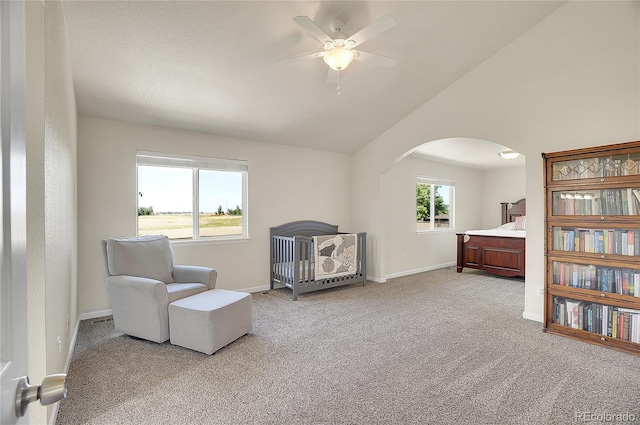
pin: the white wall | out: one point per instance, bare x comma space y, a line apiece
285, 184
410, 252
51, 197
60, 190
571, 81
501, 185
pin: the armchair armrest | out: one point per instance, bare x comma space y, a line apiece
195, 274
139, 306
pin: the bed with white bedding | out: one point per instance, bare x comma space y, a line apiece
500, 251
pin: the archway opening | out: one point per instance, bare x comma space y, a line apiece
481, 181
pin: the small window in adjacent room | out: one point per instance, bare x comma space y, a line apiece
172, 187
434, 204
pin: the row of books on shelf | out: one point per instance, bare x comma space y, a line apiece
596, 167
597, 241
598, 278
614, 322
624, 201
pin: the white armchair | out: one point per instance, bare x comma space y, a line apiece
142, 280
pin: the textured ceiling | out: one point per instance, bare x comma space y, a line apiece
472, 153
214, 67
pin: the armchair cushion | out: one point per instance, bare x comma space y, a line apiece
178, 291
144, 256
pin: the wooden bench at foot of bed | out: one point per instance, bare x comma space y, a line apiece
501, 256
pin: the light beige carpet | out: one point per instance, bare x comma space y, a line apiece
432, 348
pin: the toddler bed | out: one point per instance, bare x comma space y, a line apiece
311, 255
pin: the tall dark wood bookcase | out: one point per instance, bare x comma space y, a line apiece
592, 245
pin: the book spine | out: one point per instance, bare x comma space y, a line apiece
625, 326
599, 236
611, 242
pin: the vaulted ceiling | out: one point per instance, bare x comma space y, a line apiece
213, 66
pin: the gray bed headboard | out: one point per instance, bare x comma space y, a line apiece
304, 228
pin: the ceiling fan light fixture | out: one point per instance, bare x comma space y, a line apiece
338, 58
509, 154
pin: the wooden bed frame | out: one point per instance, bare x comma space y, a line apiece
292, 244
502, 256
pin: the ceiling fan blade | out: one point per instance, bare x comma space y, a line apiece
376, 27
303, 57
375, 59
313, 29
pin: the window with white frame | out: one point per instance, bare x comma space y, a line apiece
434, 204
172, 187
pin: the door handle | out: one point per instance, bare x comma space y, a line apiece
52, 389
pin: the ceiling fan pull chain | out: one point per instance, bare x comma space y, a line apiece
338, 84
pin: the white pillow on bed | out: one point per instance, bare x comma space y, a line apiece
520, 223
507, 226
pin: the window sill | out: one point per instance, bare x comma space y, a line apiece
208, 241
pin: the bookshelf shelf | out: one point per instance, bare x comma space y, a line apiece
592, 245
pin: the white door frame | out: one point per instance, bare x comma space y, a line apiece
13, 276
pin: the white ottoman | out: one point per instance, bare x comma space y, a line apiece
208, 321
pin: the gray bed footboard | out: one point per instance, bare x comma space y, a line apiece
292, 263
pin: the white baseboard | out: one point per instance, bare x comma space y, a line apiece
255, 289
532, 316
420, 270
72, 344
377, 279
54, 416
94, 314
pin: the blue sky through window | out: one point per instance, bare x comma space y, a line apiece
169, 189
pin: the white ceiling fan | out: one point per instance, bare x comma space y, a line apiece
339, 50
